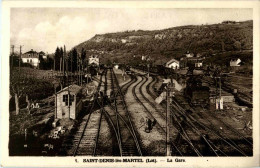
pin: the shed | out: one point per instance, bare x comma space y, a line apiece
69, 102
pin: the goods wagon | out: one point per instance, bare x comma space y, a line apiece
196, 93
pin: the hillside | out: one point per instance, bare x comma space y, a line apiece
164, 44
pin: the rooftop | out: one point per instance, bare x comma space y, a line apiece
74, 89
171, 61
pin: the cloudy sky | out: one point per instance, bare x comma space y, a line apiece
46, 28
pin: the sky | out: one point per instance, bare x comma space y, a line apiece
43, 29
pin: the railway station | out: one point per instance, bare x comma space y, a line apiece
118, 95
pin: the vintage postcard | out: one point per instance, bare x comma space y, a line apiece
130, 84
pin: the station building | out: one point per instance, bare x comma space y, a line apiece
31, 57
69, 102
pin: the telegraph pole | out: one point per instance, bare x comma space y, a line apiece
12, 57
81, 78
54, 63
168, 118
63, 62
65, 57
71, 67
220, 87
20, 57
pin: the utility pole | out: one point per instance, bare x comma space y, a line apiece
77, 69
60, 63
54, 63
12, 57
220, 87
63, 62
148, 68
81, 72
20, 57
71, 67
168, 118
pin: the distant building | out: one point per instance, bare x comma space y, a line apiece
160, 36
93, 59
198, 55
188, 54
173, 63
123, 40
116, 66
191, 62
198, 64
69, 102
31, 57
235, 62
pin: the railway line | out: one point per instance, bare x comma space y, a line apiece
245, 98
176, 124
129, 144
155, 113
192, 134
84, 141
213, 130
203, 130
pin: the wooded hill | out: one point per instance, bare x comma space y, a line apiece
161, 45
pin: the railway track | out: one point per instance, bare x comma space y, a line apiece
84, 141
157, 114
215, 150
128, 142
183, 132
210, 130
246, 98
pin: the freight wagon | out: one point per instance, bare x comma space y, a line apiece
196, 93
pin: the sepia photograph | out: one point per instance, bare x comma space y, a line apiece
131, 84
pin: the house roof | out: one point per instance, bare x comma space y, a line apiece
234, 59
33, 54
30, 52
171, 61
74, 89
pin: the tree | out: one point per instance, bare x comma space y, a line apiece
83, 56
57, 59
19, 86
42, 62
237, 45
74, 60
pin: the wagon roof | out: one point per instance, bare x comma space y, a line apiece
74, 89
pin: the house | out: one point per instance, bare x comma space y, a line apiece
198, 64
93, 59
235, 62
69, 102
123, 41
173, 63
31, 57
116, 66
191, 62
160, 36
188, 54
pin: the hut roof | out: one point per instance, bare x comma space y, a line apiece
74, 89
